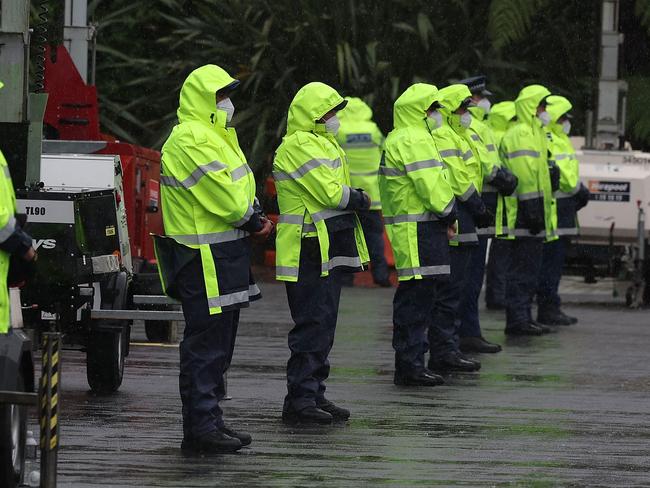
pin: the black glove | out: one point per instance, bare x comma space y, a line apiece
486, 219
533, 215
359, 200
582, 197
554, 173
505, 182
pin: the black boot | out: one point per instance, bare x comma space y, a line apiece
423, 378
478, 344
545, 328
477, 364
244, 437
211, 443
524, 329
339, 413
553, 318
308, 415
572, 320
453, 361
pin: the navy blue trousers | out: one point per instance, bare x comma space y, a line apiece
412, 316
553, 257
525, 264
443, 332
497, 272
470, 325
205, 353
373, 231
314, 304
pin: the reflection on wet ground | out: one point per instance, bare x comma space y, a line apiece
569, 408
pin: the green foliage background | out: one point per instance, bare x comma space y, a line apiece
368, 48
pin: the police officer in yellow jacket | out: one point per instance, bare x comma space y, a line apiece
319, 236
493, 182
209, 213
524, 151
361, 140
570, 196
419, 209
502, 115
465, 177
13, 240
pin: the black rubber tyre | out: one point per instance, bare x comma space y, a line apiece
13, 432
105, 356
158, 330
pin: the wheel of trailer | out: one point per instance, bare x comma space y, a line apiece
158, 330
105, 356
108, 340
13, 432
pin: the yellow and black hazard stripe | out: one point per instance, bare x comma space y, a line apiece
49, 393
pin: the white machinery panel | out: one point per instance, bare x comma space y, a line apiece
47, 211
617, 180
78, 172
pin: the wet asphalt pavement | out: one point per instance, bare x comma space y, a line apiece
567, 409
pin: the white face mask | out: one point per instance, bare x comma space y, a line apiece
227, 106
566, 127
466, 119
436, 117
545, 117
332, 125
485, 104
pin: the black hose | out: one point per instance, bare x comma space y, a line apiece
40, 31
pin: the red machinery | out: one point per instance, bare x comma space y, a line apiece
72, 120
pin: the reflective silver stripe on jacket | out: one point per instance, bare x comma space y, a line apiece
328, 213
306, 168
421, 217
287, 271
561, 194
229, 299
291, 219
526, 233
445, 153
194, 177
350, 261
8, 229
531, 195
491, 176
475, 137
486, 231
345, 197
567, 231
212, 238
249, 213
358, 145
468, 237
467, 195
309, 228
254, 290
490, 147
448, 208
424, 270
561, 156
240, 172
364, 173
523, 152
6, 171
468, 154
428, 163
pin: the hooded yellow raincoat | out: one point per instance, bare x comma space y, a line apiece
314, 192
418, 200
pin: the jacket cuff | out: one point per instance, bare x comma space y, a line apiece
356, 200
18, 243
251, 221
